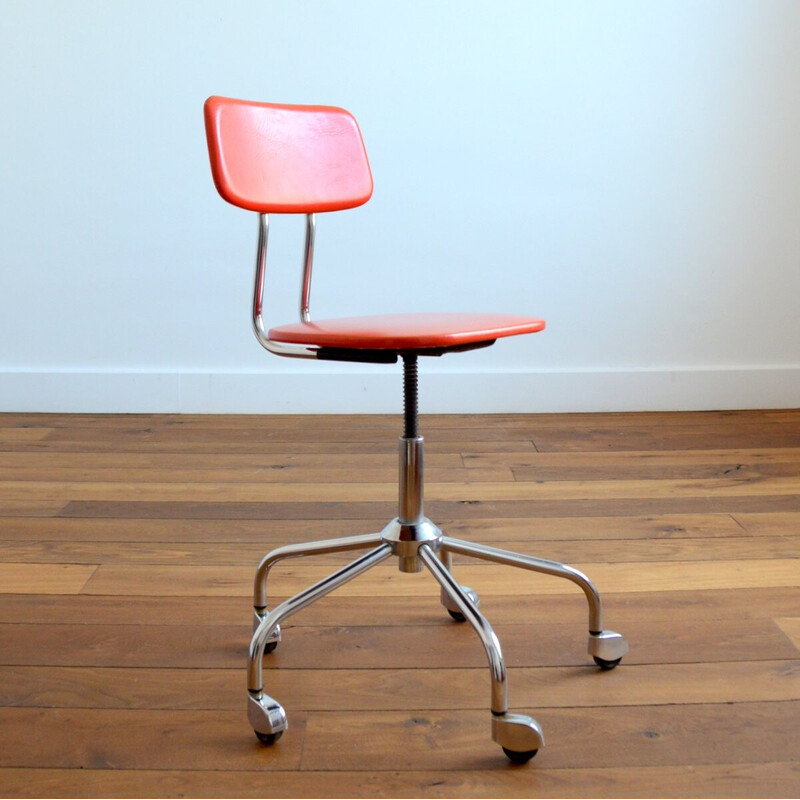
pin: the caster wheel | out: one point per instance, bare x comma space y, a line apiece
520, 758
270, 647
454, 613
268, 738
604, 664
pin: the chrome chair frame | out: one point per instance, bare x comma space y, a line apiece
417, 543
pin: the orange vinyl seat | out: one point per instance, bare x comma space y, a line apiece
407, 332
300, 159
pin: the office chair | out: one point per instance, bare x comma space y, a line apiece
294, 159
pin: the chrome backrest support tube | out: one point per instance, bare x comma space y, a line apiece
308, 262
261, 268
278, 348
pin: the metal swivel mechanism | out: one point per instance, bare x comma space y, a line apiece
417, 543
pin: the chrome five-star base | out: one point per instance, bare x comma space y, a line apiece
417, 543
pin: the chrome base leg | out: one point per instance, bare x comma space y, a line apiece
296, 551
606, 647
520, 736
265, 714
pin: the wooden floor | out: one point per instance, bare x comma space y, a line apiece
128, 544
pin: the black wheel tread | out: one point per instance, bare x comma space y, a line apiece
604, 664
520, 757
268, 738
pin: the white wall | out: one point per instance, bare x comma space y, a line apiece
628, 170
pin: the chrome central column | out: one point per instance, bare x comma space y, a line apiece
410, 528
410, 511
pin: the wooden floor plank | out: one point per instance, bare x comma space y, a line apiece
236, 465
723, 458
605, 737
151, 739
30, 507
176, 529
474, 492
401, 740
285, 531
739, 548
661, 608
446, 512
489, 579
714, 434
384, 475
14, 435
378, 646
724, 781
776, 779
44, 578
791, 627
376, 689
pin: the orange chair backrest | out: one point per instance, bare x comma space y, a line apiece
275, 158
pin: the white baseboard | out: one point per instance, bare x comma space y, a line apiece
379, 390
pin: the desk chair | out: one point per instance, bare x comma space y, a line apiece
291, 159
